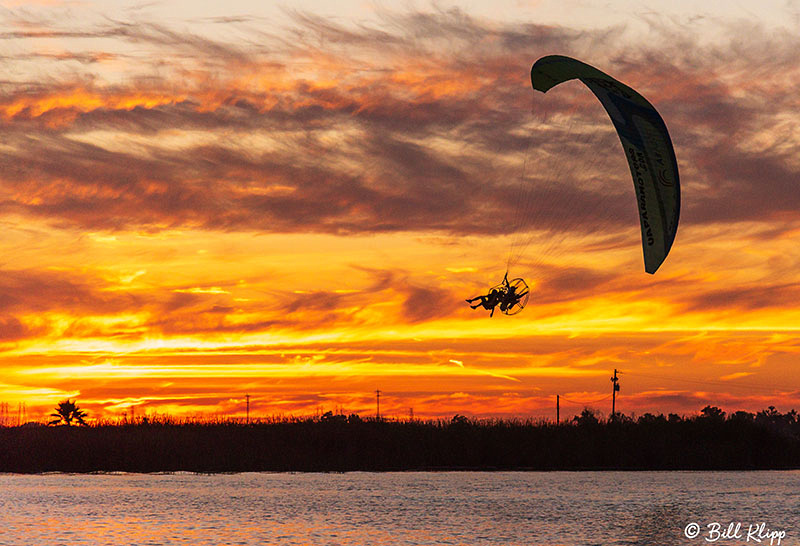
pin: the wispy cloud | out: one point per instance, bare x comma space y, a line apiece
416, 130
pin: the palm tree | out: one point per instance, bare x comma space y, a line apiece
66, 412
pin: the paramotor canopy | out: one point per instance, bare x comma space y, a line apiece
647, 146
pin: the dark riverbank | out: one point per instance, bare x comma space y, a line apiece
767, 440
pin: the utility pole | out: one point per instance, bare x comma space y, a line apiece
614, 390
558, 409
247, 397
378, 405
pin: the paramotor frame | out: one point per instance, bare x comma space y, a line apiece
521, 289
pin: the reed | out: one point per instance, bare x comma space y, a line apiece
161, 443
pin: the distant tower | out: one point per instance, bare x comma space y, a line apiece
378, 405
22, 413
247, 397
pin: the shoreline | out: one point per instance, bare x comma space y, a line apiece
327, 445
407, 471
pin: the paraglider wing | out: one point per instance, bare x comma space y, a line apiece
647, 146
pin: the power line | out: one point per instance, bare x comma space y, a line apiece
587, 403
763, 388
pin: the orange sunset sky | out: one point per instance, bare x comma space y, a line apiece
293, 202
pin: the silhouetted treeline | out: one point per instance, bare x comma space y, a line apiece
712, 440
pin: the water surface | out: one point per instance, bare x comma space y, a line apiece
404, 508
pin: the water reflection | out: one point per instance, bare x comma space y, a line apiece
546, 509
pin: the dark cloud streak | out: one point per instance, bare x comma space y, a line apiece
445, 99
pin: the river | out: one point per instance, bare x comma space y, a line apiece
402, 508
